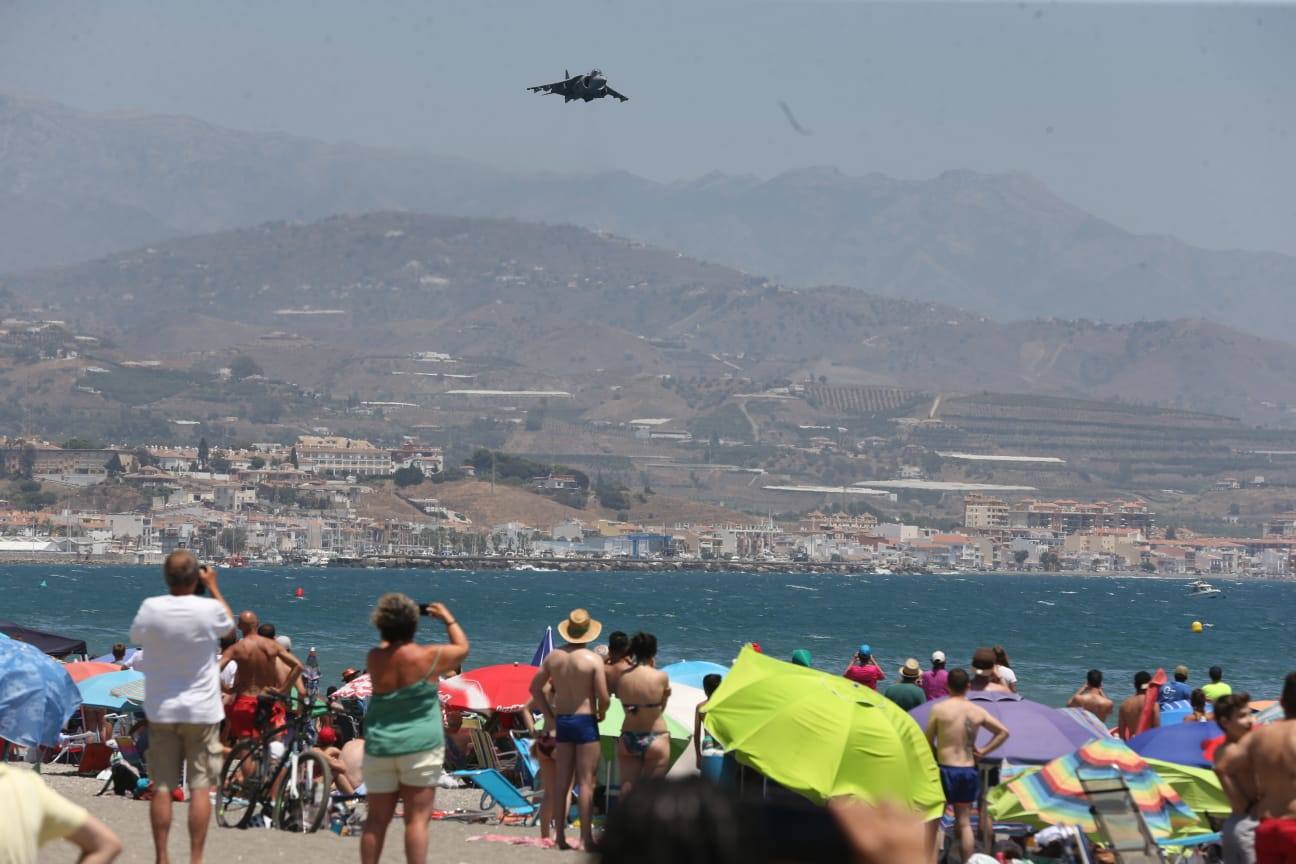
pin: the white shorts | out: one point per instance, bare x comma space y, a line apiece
388, 773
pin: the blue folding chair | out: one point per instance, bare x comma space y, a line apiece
497, 790
527, 763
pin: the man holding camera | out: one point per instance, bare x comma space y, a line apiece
180, 633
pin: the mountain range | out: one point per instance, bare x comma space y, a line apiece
562, 305
75, 185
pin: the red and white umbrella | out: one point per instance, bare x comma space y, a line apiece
505, 688
359, 687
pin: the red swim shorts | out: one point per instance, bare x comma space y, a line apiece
241, 714
1275, 841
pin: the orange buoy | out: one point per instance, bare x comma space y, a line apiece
299, 593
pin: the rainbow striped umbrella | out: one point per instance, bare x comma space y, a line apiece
1052, 795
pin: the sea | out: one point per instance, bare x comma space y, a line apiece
1054, 627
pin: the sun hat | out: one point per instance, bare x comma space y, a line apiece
911, 669
983, 661
866, 649
579, 628
284, 642
938, 656
801, 657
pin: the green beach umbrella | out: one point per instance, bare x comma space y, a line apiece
822, 735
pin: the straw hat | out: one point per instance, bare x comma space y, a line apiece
579, 628
911, 669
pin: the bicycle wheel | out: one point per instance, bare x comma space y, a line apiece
242, 780
302, 800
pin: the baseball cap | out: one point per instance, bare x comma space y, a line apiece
938, 656
1181, 671
865, 648
285, 642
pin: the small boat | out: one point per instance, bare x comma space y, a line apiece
1202, 588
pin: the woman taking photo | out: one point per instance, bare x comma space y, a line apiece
404, 740
643, 750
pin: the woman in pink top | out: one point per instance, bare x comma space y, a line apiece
863, 669
933, 681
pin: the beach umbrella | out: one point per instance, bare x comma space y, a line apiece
359, 687
1198, 787
506, 687
691, 672
1270, 714
83, 669
131, 691
97, 692
37, 696
1183, 743
1085, 717
544, 648
1052, 794
682, 708
1037, 733
822, 735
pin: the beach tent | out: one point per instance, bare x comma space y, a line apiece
822, 735
51, 643
1052, 794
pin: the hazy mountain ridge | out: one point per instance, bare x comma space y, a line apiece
76, 185
569, 304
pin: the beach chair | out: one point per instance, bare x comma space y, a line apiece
497, 790
527, 763
1119, 821
487, 756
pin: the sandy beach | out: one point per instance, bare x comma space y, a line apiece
450, 841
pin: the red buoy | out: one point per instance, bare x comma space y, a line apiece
300, 593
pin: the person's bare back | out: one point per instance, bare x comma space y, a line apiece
1093, 700
954, 723
1270, 754
258, 665
575, 672
1131, 710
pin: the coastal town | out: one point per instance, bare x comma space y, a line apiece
332, 500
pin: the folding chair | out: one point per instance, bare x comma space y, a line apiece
497, 790
527, 763
1119, 821
488, 757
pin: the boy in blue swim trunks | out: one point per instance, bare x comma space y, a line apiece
952, 730
576, 706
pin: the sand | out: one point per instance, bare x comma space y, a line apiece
449, 841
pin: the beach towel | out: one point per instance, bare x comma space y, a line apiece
513, 840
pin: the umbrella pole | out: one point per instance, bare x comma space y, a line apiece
986, 822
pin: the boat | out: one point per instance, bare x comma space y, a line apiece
531, 568
1202, 588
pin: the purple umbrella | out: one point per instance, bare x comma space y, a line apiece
1036, 733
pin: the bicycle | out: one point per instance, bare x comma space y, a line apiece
292, 790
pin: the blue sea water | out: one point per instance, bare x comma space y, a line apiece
1055, 627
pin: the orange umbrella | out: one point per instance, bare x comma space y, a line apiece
84, 669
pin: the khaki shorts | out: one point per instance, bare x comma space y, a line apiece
198, 744
388, 773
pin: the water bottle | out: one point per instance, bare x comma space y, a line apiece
311, 676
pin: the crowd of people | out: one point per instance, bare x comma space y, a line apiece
214, 678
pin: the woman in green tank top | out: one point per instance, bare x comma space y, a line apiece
404, 741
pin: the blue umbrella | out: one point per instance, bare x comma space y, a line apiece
544, 648
108, 658
1181, 743
36, 695
691, 672
98, 690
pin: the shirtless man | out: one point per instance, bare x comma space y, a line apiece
1267, 756
1091, 697
1131, 710
1233, 714
258, 672
618, 660
952, 731
578, 704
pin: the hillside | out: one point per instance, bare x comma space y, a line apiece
344, 300
75, 185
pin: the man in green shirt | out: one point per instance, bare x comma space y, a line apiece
1216, 688
906, 693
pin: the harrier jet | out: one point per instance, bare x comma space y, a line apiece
589, 87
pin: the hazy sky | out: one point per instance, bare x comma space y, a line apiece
1165, 118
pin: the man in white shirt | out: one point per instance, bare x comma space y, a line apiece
179, 633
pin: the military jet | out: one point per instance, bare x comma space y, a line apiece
593, 85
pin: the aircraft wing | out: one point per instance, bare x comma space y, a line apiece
617, 95
556, 87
